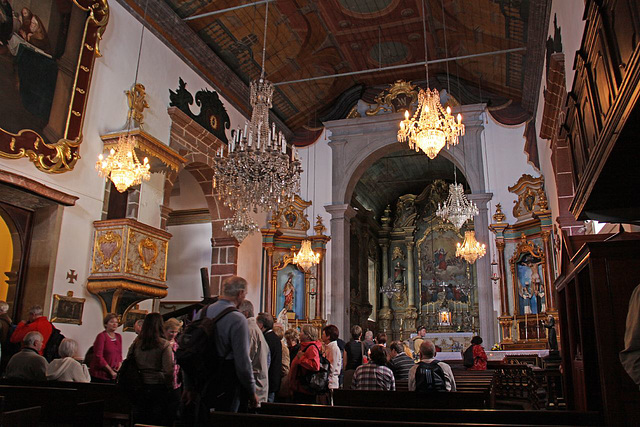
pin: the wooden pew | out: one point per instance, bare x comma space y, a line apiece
235, 419
26, 417
435, 415
410, 399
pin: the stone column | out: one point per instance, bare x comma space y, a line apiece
385, 272
486, 315
504, 295
341, 214
411, 292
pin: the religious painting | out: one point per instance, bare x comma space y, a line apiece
131, 316
442, 275
528, 272
67, 309
47, 51
290, 291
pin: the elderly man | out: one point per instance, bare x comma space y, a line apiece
422, 331
400, 363
35, 322
258, 352
27, 364
431, 374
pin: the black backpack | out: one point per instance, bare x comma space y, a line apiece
51, 350
196, 354
317, 382
467, 357
430, 378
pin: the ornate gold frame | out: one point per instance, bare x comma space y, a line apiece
125, 318
70, 299
61, 156
288, 259
524, 247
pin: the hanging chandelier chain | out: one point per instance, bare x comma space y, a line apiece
446, 51
264, 42
424, 36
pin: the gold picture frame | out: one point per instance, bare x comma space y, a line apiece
60, 156
131, 316
67, 309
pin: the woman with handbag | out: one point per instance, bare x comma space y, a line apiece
107, 352
307, 360
153, 356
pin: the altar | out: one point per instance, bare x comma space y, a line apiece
455, 342
492, 356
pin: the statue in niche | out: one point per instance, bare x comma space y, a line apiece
289, 291
398, 279
405, 211
525, 293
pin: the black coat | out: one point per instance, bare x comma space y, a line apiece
275, 368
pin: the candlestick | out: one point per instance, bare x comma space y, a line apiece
526, 329
537, 327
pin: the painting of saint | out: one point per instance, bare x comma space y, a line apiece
33, 47
529, 284
290, 291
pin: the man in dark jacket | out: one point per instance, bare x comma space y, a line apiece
265, 323
400, 363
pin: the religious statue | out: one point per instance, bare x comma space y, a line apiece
542, 304
282, 319
398, 277
525, 293
288, 292
552, 337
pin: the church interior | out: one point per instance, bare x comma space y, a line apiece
465, 166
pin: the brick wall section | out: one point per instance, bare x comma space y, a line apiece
550, 128
199, 146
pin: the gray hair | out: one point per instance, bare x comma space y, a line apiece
233, 285
427, 349
68, 348
4, 307
36, 310
310, 331
246, 308
368, 335
266, 320
31, 338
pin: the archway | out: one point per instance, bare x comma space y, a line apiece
356, 144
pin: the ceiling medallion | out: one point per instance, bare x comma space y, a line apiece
457, 209
470, 249
306, 258
431, 127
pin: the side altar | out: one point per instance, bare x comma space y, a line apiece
526, 268
293, 296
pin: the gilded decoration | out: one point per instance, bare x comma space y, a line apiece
499, 216
108, 246
291, 217
397, 253
59, 156
67, 309
136, 97
398, 97
531, 197
148, 251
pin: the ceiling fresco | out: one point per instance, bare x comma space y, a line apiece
312, 38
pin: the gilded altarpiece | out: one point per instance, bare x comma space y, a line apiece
128, 264
293, 296
525, 267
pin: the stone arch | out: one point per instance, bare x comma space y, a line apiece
18, 241
356, 144
198, 147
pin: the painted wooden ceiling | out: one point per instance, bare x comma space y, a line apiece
312, 38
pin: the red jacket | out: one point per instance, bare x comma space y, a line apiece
41, 324
307, 359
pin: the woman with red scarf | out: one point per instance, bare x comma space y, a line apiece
307, 360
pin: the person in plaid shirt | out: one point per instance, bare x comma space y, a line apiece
374, 375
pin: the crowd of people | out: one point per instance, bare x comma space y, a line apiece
256, 360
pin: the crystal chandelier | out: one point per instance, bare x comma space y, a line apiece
457, 209
431, 127
255, 172
306, 258
470, 249
390, 288
240, 225
122, 165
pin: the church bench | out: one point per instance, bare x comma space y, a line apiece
435, 415
262, 420
25, 417
410, 399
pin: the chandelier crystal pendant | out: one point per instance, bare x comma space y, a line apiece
431, 127
306, 258
457, 209
240, 225
390, 288
470, 249
122, 165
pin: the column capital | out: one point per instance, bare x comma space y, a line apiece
340, 211
480, 199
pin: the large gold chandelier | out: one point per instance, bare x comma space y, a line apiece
122, 165
306, 258
470, 249
431, 127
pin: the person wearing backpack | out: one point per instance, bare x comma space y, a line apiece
35, 322
307, 360
232, 375
430, 374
